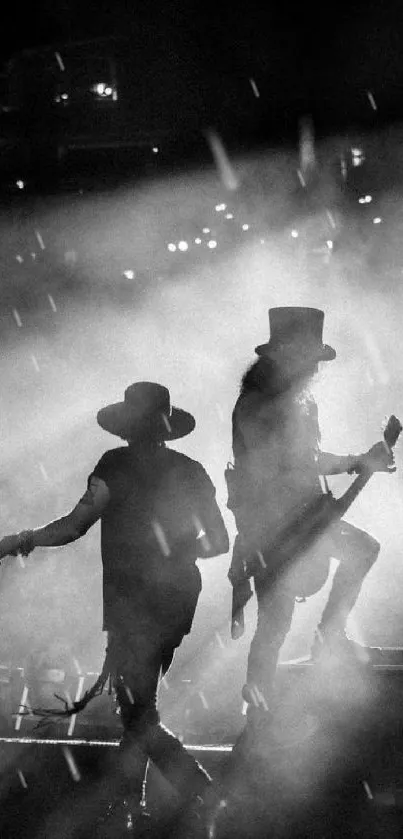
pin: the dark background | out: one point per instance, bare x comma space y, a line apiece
304, 58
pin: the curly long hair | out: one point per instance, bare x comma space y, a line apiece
267, 377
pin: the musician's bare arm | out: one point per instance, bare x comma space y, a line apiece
335, 464
62, 531
379, 458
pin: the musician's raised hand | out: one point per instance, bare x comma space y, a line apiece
379, 458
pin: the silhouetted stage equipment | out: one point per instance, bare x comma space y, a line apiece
331, 765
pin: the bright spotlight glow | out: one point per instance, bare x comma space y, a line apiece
171, 247
212, 243
366, 199
377, 220
102, 89
198, 240
20, 184
245, 227
229, 215
130, 275
155, 149
357, 156
220, 207
330, 244
294, 234
206, 230
183, 246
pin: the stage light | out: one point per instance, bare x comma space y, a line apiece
155, 149
206, 230
104, 90
245, 227
294, 234
220, 207
212, 244
171, 247
198, 240
183, 246
229, 215
130, 275
376, 220
358, 156
20, 184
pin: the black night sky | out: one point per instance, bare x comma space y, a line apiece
303, 57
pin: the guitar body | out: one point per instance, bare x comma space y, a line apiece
300, 552
309, 574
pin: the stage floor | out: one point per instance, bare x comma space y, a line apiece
331, 766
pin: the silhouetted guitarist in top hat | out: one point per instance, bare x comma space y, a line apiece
275, 488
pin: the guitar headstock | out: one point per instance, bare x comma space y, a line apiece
392, 431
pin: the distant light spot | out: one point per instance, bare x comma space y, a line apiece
377, 220
129, 274
212, 244
294, 234
198, 240
245, 227
183, 246
171, 247
206, 230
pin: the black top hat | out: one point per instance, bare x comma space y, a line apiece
296, 330
146, 410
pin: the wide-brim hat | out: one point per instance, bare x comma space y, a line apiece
296, 331
146, 410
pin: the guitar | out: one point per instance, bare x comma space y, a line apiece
300, 536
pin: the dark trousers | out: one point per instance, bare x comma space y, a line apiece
356, 551
138, 658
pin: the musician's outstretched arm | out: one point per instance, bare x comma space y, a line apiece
64, 530
379, 458
335, 464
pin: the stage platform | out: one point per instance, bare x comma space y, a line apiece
332, 765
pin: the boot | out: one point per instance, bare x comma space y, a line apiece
330, 643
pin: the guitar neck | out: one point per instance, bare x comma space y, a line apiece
342, 504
